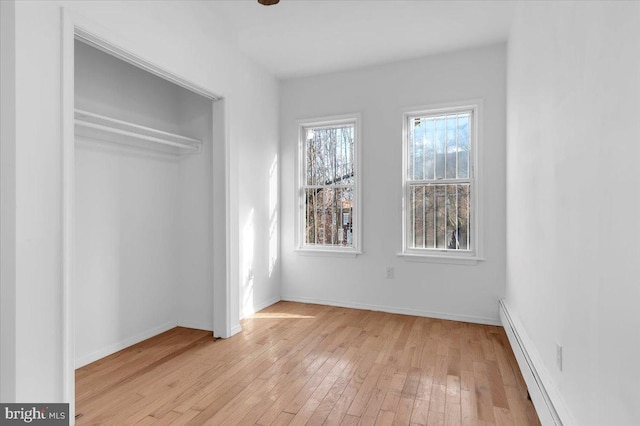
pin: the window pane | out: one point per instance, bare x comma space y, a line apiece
440, 134
415, 131
328, 185
461, 238
464, 145
429, 148
429, 215
438, 213
329, 154
439, 147
439, 216
450, 159
329, 216
422, 148
417, 216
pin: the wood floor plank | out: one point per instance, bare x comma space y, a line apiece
320, 392
420, 412
438, 397
339, 410
283, 419
385, 418
377, 398
411, 383
503, 416
426, 384
435, 418
123, 367
468, 408
167, 419
518, 406
483, 393
453, 390
392, 398
498, 394
282, 394
349, 420
285, 398
404, 411
301, 397
452, 415
333, 395
365, 391
297, 363
243, 374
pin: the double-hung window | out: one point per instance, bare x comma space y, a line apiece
440, 182
328, 185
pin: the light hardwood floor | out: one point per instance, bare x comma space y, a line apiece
296, 364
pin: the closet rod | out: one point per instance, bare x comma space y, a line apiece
111, 126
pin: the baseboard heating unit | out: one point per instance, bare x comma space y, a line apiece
545, 399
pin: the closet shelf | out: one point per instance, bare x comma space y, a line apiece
100, 127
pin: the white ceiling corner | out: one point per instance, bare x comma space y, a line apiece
306, 37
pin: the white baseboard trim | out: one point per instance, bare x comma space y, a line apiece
550, 407
118, 346
260, 306
394, 310
195, 325
229, 331
235, 330
266, 303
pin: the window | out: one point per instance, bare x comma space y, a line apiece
328, 185
440, 208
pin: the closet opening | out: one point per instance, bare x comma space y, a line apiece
145, 203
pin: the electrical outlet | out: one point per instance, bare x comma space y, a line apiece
559, 356
389, 272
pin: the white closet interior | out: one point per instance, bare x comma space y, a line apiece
144, 205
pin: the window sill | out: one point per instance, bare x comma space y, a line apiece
328, 252
441, 258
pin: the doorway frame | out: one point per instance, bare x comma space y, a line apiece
76, 28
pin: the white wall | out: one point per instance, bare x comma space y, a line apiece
573, 258
258, 194
181, 37
380, 94
196, 198
126, 248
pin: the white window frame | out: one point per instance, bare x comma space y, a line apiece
473, 255
301, 247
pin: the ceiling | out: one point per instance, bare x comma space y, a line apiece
305, 37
